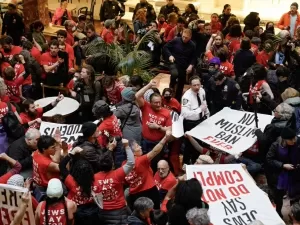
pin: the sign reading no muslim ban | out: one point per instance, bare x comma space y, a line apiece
229, 130
10, 200
69, 132
232, 195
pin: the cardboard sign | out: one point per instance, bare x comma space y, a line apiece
229, 130
10, 200
232, 195
69, 132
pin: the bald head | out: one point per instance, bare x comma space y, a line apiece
163, 168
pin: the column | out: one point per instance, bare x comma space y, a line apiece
36, 10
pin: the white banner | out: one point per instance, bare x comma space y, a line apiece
10, 200
69, 132
229, 130
232, 195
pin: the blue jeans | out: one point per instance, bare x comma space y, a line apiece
251, 166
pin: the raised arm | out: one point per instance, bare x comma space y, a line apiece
210, 42
157, 149
22, 209
140, 94
195, 144
130, 158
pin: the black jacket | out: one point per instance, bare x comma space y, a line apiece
20, 151
243, 60
134, 219
166, 10
111, 9
151, 15
251, 21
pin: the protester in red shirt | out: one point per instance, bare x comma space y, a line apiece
50, 61
216, 26
109, 183
16, 168
263, 56
140, 179
113, 89
177, 30
164, 178
61, 14
109, 130
108, 32
169, 102
13, 83
225, 67
62, 36
8, 49
70, 27
32, 114
26, 87
172, 21
45, 161
162, 25
79, 182
52, 210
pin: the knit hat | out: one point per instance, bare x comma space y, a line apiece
16, 180
276, 39
206, 159
108, 23
288, 133
88, 129
295, 4
54, 189
128, 94
100, 109
215, 61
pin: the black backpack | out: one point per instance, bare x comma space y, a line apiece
13, 128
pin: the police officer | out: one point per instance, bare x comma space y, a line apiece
169, 8
227, 94
150, 16
112, 9
194, 110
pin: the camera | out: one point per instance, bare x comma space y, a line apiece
79, 86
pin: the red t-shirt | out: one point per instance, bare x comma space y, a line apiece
26, 119
36, 54
75, 192
114, 93
4, 178
41, 176
141, 177
109, 127
171, 35
161, 117
107, 36
165, 183
71, 84
48, 60
160, 26
167, 31
4, 65
4, 109
111, 186
233, 47
263, 58
254, 49
227, 69
215, 27
13, 91
14, 50
173, 104
70, 39
5, 98
56, 214
19, 71
70, 52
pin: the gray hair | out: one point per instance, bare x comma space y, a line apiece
142, 204
285, 111
256, 222
198, 216
32, 133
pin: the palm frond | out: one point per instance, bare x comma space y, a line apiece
149, 36
95, 47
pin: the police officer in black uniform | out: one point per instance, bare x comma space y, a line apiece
227, 94
151, 15
112, 9
169, 8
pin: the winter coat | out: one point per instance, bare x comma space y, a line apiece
133, 128
134, 219
117, 216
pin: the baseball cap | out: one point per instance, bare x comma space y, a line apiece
54, 189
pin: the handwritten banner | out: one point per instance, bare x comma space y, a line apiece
10, 200
69, 132
232, 195
231, 131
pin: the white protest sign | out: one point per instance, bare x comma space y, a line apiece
69, 132
229, 130
232, 196
177, 127
10, 200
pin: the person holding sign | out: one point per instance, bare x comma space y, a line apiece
194, 111
31, 115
